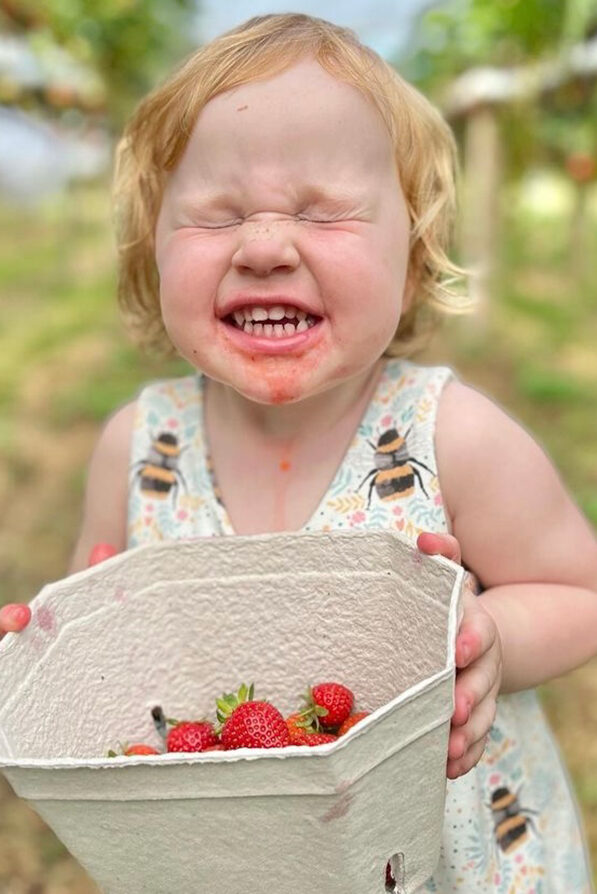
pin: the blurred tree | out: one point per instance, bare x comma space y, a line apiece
517, 80
461, 34
466, 34
130, 43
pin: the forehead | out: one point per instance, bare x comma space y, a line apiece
305, 102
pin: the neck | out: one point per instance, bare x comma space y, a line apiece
292, 423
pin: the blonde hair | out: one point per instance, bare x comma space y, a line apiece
157, 134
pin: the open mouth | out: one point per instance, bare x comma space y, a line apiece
279, 321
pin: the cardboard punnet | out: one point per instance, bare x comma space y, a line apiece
177, 624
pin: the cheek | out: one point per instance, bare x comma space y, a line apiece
186, 269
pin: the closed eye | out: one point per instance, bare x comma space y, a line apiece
316, 218
219, 226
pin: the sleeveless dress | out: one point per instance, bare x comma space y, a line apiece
511, 824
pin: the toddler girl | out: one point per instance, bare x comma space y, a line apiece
284, 205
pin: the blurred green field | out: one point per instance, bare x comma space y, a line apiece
65, 364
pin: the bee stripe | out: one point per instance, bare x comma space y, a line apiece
512, 833
166, 449
157, 473
503, 802
396, 444
394, 484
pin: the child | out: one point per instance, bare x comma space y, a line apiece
284, 207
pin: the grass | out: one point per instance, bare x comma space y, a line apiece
65, 364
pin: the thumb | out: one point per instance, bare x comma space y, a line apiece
14, 617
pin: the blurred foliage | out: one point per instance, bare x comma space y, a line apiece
464, 34
131, 43
461, 34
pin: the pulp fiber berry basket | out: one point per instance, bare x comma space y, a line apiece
177, 624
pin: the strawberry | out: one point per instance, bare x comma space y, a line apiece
140, 749
248, 723
328, 704
351, 721
191, 735
130, 750
297, 726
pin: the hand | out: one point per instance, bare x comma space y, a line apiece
478, 668
100, 552
14, 617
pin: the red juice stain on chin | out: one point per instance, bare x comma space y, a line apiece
284, 465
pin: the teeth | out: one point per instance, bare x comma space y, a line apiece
268, 321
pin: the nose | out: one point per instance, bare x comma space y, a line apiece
266, 247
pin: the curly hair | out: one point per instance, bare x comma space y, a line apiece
157, 134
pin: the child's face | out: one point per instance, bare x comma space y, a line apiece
286, 201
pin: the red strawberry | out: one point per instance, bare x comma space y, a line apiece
247, 723
329, 704
297, 725
191, 735
351, 721
130, 750
140, 749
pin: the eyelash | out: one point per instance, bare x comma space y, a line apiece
304, 218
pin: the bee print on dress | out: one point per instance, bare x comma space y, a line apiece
159, 475
394, 474
510, 821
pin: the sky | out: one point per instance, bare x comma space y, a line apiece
382, 24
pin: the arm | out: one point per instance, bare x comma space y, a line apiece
533, 552
522, 536
103, 531
106, 496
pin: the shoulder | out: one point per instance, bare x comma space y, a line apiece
114, 438
507, 503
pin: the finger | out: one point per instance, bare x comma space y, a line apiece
14, 617
474, 684
100, 552
439, 544
463, 705
477, 635
456, 768
479, 724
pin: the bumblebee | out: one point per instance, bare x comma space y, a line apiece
159, 474
511, 821
394, 474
